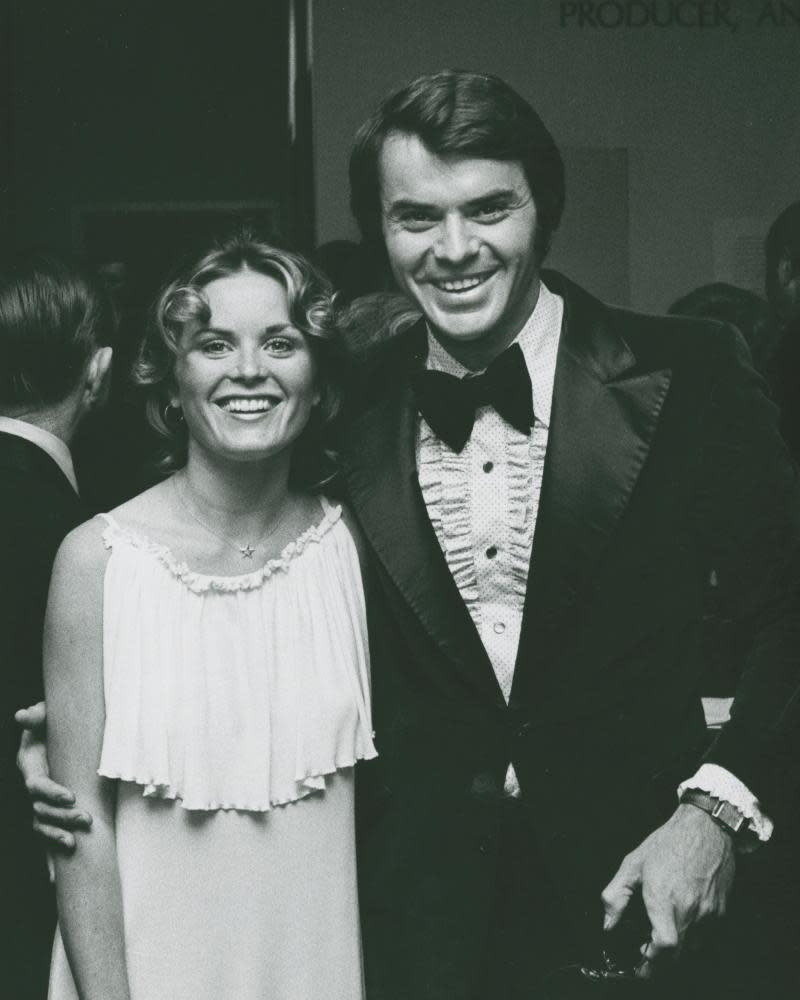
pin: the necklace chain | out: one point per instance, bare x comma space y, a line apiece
247, 550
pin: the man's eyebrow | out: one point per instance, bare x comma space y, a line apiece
408, 204
498, 196
502, 195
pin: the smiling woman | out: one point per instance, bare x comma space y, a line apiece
294, 297
209, 718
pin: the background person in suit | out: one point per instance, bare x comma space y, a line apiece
55, 325
782, 263
543, 538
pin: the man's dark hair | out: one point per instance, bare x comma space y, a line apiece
460, 114
783, 241
54, 314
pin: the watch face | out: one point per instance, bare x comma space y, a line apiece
728, 815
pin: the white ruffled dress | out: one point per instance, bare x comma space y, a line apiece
236, 708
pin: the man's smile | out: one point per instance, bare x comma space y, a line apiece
461, 285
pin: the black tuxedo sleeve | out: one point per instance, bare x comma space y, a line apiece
35, 519
747, 512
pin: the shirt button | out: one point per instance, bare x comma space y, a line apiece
499, 627
488, 466
491, 552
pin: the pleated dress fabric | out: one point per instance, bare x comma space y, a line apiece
236, 708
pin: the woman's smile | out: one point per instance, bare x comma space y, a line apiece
247, 406
246, 378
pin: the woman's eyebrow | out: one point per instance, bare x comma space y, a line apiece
222, 331
286, 327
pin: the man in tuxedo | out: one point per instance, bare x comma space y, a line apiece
55, 323
556, 493
553, 493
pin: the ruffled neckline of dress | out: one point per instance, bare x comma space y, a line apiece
200, 583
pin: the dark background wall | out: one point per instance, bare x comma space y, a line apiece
141, 109
681, 143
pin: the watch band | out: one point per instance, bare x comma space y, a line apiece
724, 814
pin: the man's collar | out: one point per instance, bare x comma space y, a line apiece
49, 443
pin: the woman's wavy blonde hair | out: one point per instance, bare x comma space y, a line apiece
182, 300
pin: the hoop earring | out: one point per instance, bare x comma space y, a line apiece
172, 414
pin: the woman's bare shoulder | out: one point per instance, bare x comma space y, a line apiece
76, 584
84, 549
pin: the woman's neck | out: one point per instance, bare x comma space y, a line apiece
237, 493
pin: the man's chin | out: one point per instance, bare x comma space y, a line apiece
464, 328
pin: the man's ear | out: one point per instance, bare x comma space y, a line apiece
786, 271
98, 377
789, 283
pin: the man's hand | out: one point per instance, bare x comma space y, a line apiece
685, 870
54, 815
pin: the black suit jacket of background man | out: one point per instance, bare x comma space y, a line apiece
667, 498
38, 507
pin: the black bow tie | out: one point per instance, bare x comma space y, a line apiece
448, 403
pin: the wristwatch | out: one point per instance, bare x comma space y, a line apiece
724, 814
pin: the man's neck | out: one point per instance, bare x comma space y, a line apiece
60, 419
478, 354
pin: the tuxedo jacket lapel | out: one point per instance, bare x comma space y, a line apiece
605, 412
379, 465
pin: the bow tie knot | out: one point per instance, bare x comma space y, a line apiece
479, 389
448, 403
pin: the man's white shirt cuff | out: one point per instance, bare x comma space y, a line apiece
721, 784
